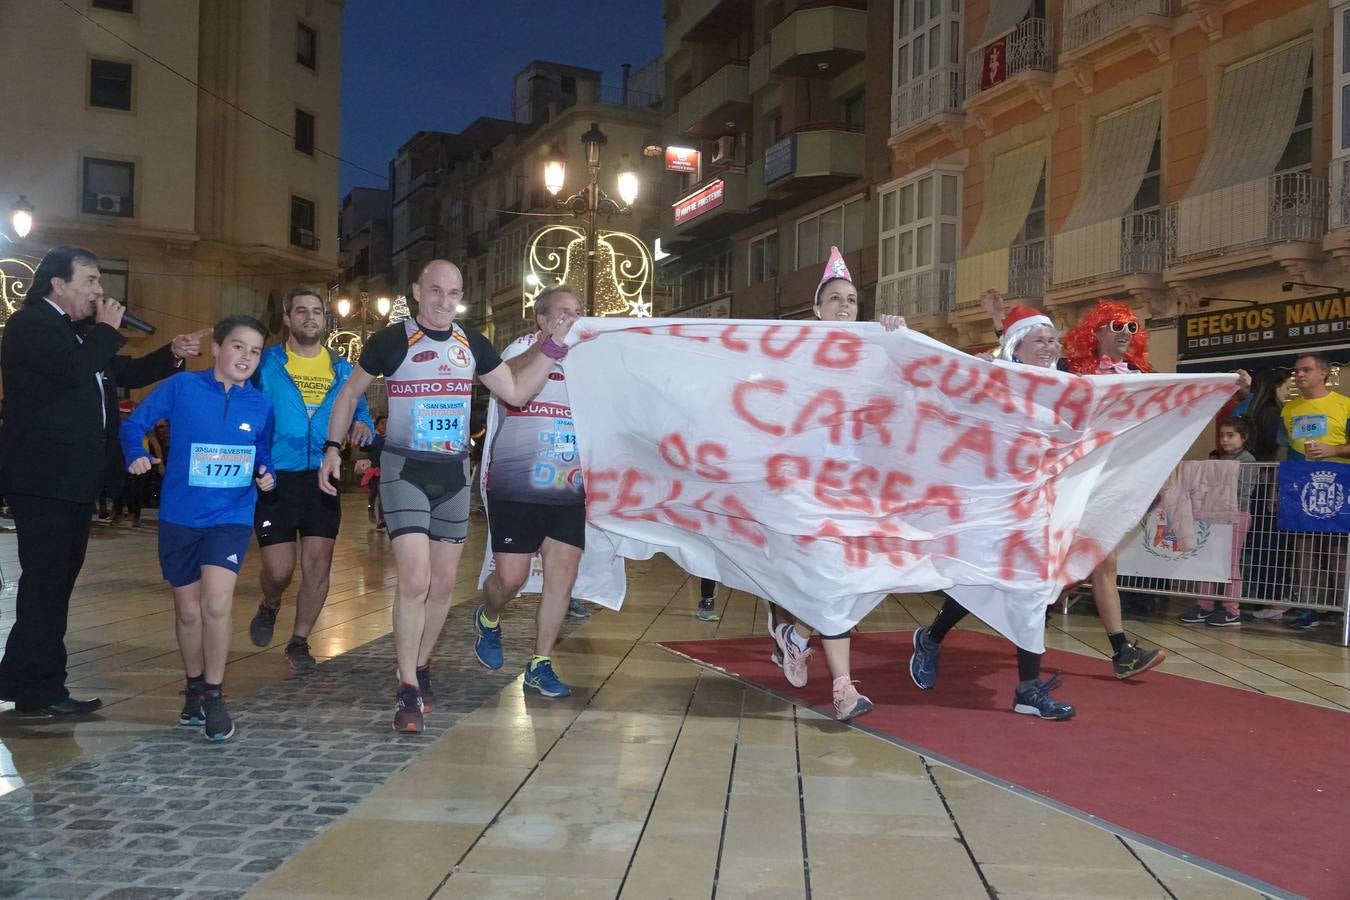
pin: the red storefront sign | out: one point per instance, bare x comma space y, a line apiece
682, 159
696, 204
995, 68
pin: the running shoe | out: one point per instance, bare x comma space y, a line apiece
264, 620
216, 718
487, 646
707, 611
424, 688
1269, 613
299, 657
408, 710
1131, 661
794, 660
541, 679
192, 715
776, 657
577, 610
1305, 620
1196, 615
848, 703
1222, 618
1035, 700
923, 664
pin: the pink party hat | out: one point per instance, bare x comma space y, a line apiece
834, 269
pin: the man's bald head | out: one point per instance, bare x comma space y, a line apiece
440, 268
439, 292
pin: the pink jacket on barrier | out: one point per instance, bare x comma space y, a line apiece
1203, 490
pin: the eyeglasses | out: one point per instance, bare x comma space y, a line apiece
1130, 326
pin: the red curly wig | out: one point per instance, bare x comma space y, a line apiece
1080, 343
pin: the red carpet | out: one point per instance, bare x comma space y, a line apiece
1253, 784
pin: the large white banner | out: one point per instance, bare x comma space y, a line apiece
824, 465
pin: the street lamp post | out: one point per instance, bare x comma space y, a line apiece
21, 217
590, 201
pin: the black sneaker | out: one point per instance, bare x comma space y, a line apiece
1131, 661
193, 715
1035, 700
298, 655
424, 688
219, 725
1195, 616
707, 609
408, 711
264, 620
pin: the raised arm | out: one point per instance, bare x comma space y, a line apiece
339, 420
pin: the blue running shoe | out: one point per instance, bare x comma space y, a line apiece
923, 665
488, 645
1304, 620
1035, 700
541, 679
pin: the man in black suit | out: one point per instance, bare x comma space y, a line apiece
61, 374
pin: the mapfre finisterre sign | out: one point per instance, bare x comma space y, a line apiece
1285, 324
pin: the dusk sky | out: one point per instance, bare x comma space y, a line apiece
410, 65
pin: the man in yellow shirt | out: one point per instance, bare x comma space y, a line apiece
1317, 429
301, 377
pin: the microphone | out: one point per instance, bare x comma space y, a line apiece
136, 323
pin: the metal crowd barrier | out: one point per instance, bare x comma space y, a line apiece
1296, 570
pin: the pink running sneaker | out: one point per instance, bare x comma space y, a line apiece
848, 703
794, 660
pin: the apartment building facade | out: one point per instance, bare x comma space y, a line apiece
781, 104
1185, 156
198, 209
477, 197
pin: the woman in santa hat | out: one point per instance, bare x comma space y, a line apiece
1030, 338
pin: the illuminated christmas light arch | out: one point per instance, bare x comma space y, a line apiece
557, 255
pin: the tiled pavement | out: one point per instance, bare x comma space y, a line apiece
170, 816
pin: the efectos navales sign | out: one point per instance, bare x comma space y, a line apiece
1284, 324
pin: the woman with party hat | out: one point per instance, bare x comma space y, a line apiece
836, 300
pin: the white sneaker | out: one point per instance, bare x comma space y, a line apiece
1269, 612
794, 660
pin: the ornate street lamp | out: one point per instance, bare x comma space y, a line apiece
590, 201
21, 216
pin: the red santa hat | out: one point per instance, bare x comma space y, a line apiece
835, 270
1017, 324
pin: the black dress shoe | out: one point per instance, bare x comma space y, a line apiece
68, 708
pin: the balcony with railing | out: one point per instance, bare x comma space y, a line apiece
708, 21
1100, 32
816, 41
927, 293
1108, 257
926, 110
1005, 72
1028, 270
1279, 218
1337, 240
720, 98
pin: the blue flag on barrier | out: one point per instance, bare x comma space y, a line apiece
1314, 496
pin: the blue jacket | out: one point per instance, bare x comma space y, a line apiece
212, 433
297, 440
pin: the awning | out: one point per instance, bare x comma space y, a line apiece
1227, 206
1089, 242
1010, 186
1257, 107
1003, 17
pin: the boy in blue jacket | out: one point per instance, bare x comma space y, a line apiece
219, 458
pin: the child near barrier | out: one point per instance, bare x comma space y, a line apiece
1235, 434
